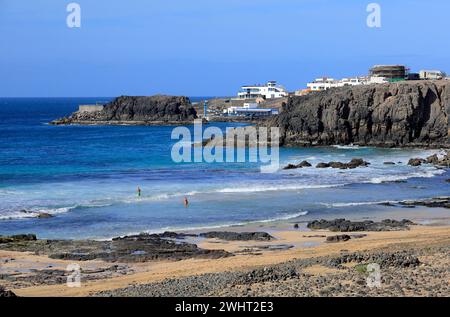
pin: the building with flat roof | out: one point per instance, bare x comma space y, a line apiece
432, 74
271, 90
250, 109
325, 83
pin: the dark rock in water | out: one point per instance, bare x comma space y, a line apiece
6, 293
354, 163
338, 165
447, 180
300, 165
290, 167
357, 162
18, 238
238, 236
408, 113
387, 204
338, 238
343, 225
397, 181
389, 163
438, 202
44, 215
138, 109
416, 161
304, 164
296, 226
433, 159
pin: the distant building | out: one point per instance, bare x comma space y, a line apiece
325, 83
268, 91
432, 74
389, 72
250, 109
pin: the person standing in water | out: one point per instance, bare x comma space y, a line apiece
139, 191
186, 202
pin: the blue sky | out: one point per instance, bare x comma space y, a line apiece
208, 47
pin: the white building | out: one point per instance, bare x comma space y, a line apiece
269, 91
431, 74
250, 109
326, 83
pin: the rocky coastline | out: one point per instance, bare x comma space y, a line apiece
403, 114
344, 273
133, 110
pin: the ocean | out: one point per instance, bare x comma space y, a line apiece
87, 176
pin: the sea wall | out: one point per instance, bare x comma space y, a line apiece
410, 113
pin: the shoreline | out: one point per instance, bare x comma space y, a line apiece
290, 244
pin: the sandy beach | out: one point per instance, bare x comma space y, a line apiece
428, 242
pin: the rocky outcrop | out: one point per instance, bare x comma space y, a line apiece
410, 113
136, 248
437, 202
6, 293
343, 225
299, 165
137, 110
338, 238
238, 236
18, 238
354, 163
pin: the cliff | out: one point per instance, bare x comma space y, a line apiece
410, 113
137, 110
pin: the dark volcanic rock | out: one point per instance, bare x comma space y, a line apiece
433, 159
304, 164
438, 202
44, 215
5, 293
406, 113
238, 236
18, 238
135, 248
416, 161
338, 238
354, 163
300, 165
173, 235
290, 167
141, 109
342, 225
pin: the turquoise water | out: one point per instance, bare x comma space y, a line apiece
86, 176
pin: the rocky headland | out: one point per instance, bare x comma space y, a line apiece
131, 110
409, 113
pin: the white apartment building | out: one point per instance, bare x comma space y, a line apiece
326, 83
268, 91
